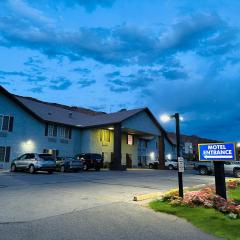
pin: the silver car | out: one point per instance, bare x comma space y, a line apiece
33, 162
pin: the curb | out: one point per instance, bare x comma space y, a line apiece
156, 195
147, 196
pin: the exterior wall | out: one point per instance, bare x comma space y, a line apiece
141, 122
28, 134
91, 143
170, 150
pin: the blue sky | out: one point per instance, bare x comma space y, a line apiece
171, 56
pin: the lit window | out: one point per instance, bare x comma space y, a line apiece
130, 139
105, 136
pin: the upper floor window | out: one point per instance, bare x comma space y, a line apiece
51, 130
65, 132
6, 123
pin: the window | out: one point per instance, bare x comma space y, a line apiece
52, 130
105, 135
129, 139
4, 154
53, 152
6, 123
64, 132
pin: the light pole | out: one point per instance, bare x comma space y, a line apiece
166, 118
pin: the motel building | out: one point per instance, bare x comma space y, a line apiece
126, 139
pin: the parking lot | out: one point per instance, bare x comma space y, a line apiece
41, 195
27, 198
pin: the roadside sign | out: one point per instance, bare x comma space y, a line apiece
180, 164
216, 152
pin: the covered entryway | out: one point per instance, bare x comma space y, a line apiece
126, 139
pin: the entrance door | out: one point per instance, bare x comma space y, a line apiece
129, 160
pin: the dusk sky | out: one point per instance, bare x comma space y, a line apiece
171, 56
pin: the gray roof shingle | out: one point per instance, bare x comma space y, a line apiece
52, 113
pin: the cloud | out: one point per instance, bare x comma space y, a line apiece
174, 75
118, 89
14, 73
86, 83
120, 45
35, 78
36, 89
4, 83
113, 74
82, 70
60, 83
89, 5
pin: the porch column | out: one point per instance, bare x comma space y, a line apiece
161, 152
117, 147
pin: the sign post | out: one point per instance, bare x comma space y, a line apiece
218, 153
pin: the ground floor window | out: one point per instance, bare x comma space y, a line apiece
4, 154
53, 152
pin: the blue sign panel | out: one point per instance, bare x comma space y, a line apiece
216, 152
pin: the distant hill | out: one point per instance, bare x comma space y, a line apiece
195, 140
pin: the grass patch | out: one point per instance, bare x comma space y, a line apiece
234, 193
208, 220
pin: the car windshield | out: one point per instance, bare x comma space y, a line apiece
46, 157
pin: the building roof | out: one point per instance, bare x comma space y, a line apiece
75, 116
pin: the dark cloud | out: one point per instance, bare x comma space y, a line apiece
174, 75
4, 83
113, 74
60, 84
35, 78
82, 70
36, 89
121, 45
129, 84
89, 5
14, 73
118, 89
86, 83
33, 62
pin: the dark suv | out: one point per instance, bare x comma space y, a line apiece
90, 160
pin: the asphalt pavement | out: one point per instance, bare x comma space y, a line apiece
90, 205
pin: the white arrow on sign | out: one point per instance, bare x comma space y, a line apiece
206, 157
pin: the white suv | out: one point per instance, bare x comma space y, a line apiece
171, 164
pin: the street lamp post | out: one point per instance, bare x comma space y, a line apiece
180, 177
166, 118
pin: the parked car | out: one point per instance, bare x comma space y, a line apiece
90, 160
64, 164
171, 164
34, 162
205, 168
153, 165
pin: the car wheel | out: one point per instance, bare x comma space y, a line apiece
85, 167
62, 169
170, 167
203, 171
150, 166
13, 168
31, 169
50, 172
236, 173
